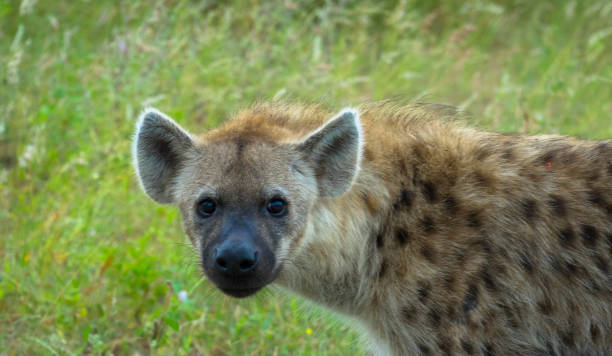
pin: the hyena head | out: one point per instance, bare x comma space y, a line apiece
245, 190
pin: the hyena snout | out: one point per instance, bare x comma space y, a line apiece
239, 263
236, 258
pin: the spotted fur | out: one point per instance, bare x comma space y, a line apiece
452, 240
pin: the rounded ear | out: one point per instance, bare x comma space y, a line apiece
159, 150
334, 152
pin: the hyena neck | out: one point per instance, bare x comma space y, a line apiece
332, 263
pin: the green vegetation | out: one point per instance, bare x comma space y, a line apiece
88, 265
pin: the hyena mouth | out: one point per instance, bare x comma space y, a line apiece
243, 289
240, 292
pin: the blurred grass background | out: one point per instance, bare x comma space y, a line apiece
88, 265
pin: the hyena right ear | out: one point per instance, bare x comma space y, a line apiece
334, 153
159, 149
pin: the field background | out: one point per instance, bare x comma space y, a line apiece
89, 265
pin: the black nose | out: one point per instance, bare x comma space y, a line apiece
235, 258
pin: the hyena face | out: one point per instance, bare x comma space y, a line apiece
244, 194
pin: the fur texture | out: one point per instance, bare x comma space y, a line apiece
446, 239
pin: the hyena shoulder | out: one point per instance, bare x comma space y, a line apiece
487, 240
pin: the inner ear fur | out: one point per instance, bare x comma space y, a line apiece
334, 152
160, 148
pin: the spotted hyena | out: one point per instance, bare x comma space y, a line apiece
435, 237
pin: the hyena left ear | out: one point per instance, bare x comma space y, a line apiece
334, 152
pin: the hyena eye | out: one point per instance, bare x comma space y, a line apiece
206, 207
277, 207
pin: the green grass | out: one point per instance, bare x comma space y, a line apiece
88, 265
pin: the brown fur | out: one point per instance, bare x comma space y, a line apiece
450, 240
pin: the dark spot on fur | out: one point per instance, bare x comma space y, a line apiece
402, 236
589, 235
557, 265
508, 154
601, 263
529, 209
594, 331
415, 175
379, 240
566, 268
451, 312
423, 291
424, 349
405, 200
557, 204
571, 267
485, 244
462, 256
428, 225
449, 281
545, 306
594, 285
428, 252
546, 157
603, 148
383, 269
567, 237
444, 345
430, 191
526, 262
510, 316
434, 317
488, 279
609, 240
483, 152
408, 313
473, 220
467, 347
470, 301
487, 349
568, 337
450, 203
597, 198
482, 180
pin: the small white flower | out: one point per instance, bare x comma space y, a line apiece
182, 296
53, 22
27, 155
122, 46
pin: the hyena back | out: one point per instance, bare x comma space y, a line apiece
437, 238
